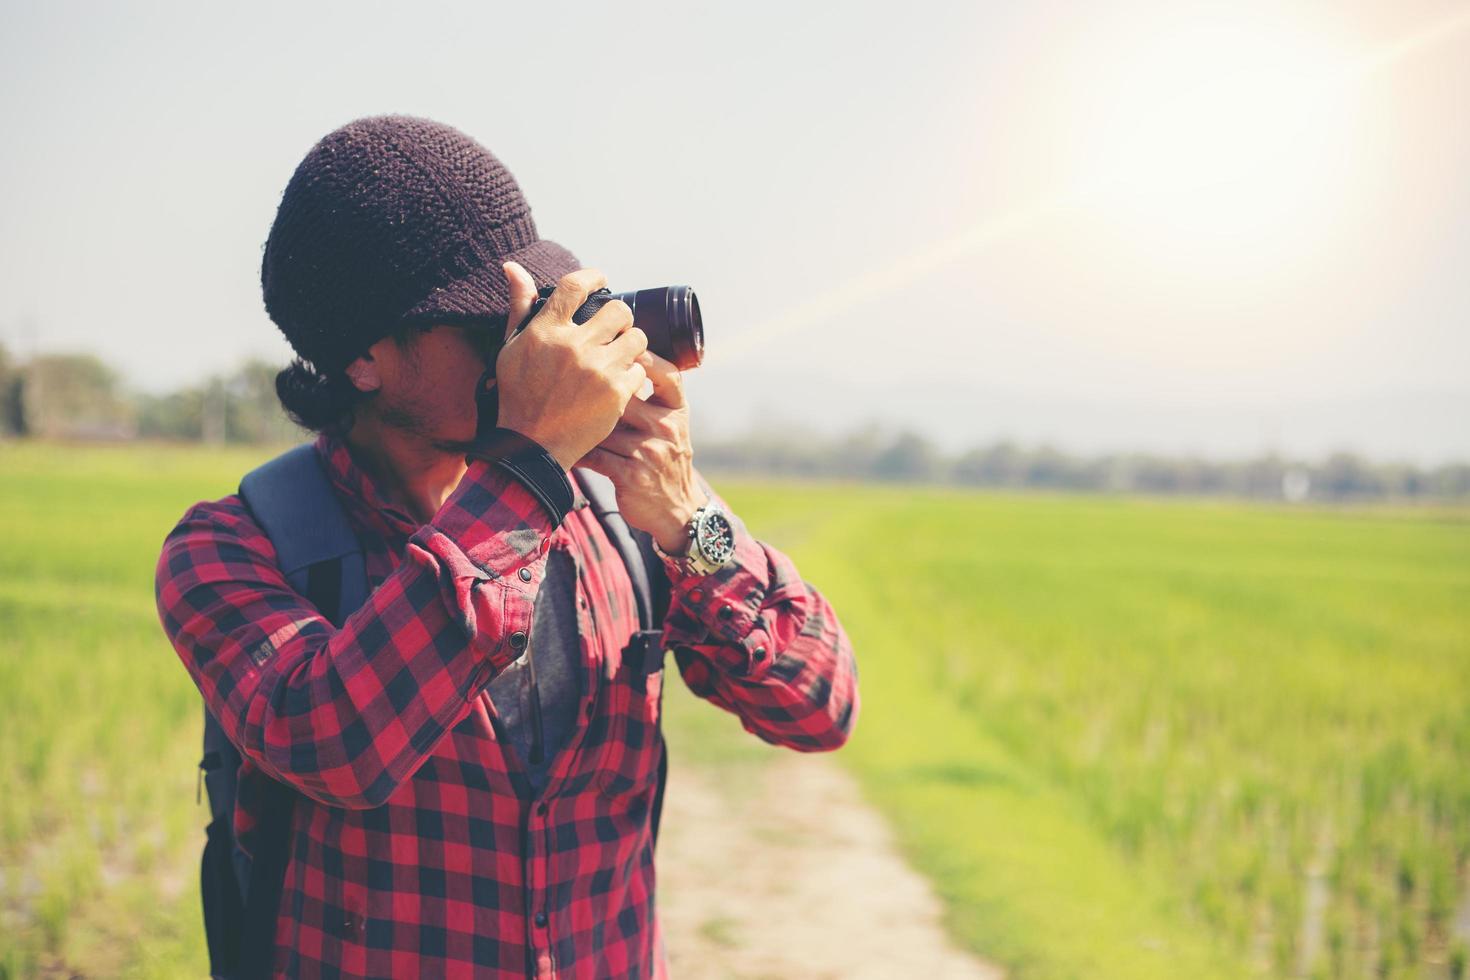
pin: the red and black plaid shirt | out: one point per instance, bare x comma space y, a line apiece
418, 849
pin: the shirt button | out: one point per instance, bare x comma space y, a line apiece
518, 640
726, 612
525, 575
696, 595
541, 920
759, 653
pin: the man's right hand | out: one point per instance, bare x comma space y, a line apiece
563, 384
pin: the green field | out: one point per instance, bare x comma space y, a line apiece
1125, 738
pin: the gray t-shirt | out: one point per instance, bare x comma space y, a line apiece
557, 654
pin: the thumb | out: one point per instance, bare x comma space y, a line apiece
522, 295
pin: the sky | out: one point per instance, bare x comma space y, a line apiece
1220, 229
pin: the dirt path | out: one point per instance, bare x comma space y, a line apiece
797, 878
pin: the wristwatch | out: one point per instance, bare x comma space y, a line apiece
711, 542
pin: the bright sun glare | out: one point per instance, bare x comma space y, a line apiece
1244, 134
1223, 130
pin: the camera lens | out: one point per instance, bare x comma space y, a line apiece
669, 315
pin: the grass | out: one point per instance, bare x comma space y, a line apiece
1125, 738
1121, 735
99, 831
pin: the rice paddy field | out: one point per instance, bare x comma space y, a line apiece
1123, 737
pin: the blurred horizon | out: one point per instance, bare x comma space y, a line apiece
1212, 229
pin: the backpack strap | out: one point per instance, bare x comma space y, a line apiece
293, 501
650, 592
645, 570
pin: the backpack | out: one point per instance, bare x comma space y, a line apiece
292, 499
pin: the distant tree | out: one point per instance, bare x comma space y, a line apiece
176, 415
853, 455
1000, 465
239, 407
1450, 481
1345, 475
789, 450
1115, 474
253, 412
1049, 468
74, 395
908, 457
1262, 477
12, 416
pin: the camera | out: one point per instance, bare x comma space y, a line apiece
669, 315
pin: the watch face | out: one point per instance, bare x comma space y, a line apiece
715, 537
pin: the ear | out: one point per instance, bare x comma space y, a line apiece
364, 373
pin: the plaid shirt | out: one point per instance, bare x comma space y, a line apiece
417, 847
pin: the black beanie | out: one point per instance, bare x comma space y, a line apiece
393, 220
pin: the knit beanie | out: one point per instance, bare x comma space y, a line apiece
393, 220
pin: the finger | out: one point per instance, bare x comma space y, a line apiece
571, 292
623, 442
522, 295
641, 416
631, 381
611, 321
668, 383
627, 346
609, 464
628, 384
653, 420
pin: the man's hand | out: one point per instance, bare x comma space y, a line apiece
565, 384
650, 462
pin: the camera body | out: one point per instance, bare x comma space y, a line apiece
669, 315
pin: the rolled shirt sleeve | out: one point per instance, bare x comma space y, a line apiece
759, 641
346, 715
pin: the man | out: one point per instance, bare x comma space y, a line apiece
473, 802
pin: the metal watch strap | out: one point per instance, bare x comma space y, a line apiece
684, 563
693, 561
530, 463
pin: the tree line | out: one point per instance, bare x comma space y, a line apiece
908, 457
78, 396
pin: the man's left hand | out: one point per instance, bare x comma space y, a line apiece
650, 462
